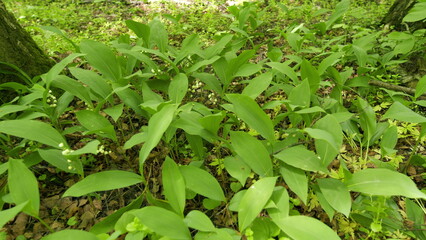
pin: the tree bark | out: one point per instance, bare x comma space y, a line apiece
18, 48
397, 12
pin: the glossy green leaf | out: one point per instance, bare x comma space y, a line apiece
367, 118
178, 88
296, 180
7, 109
383, 182
199, 221
329, 61
212, 122
201, 182
103, 181
96, 123
250, 112
115, 112
304, 228
254, 200
281, 199
258, 84
284, 69
173, 185
336, 194
323, 202
160, 36
71, 234
56, 159
135, 140
389, 140
402, 113
9, 214
33, 130
421, 87
417, 13
322, 135
236, 167
163, 222
248, 70
328, 147
23, 186
300, 95
74, 87
143, 31
311, 73
130, 98
102, 58
157, 125
95, 82
252, 152
302, 158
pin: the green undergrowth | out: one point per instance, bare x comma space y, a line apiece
258, 132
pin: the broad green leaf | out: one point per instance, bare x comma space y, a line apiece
300, 157
55, 157
248, 70
210, 80
341, 8
217, 48
252, 152
367, 118
95, 82
135, 140
130, 98
284, 69
23, 186
401, 113
389, 140
219, 234
322, 135
141, 30
323, 202
9, 214
281, 200
415, 213
102, 58
199, 221
57, 69
33, 130
311, 73
237, 169
178, 88
115, 112
108, 223
300, 95
90, 147
157, 125
159, 37
254, 200
296, 180
328, 149
201, 182
191, 123
163, 222
329, 61
257, 85
103, 181
250, 112
7, 109
72, 86
336, 194
383, 182
71, 234
212, 122
96, 123
304, 228
417, 13
421, 87
173, 185
200, 64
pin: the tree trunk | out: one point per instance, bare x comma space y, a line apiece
397, 12
18, 48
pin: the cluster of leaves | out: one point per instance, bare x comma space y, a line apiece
275, 127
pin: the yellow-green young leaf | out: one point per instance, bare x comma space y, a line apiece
103, 181
33, 130
296, 180
199, 221
250, 112
300, 157
254, 200
178, 88
304, 228
252, 152
157, 125
71, 234
173, 185
102, 58
163, 222
383, 182
23, 186
9, 214
420, 87
336, 194
201, 182
402, 113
